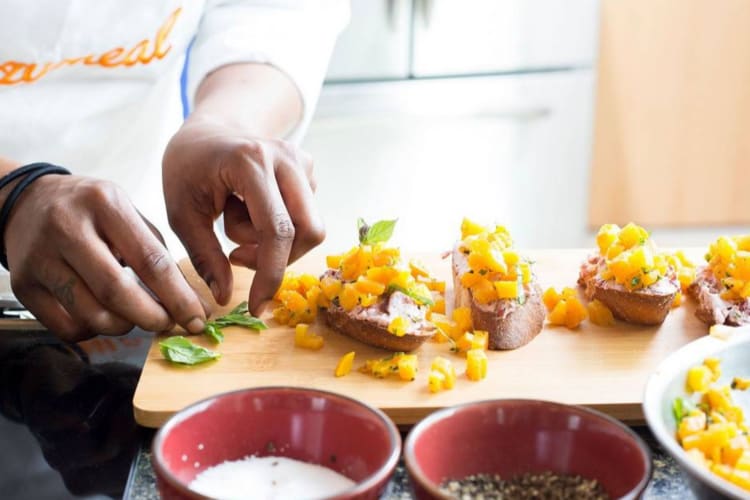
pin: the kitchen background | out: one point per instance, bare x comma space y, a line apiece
548, 116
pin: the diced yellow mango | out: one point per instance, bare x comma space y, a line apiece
600, 314
718, 398
407, 367
331, 287
575, 313
480, 340
293, 300
476, 364
632, 235
692, 424
366, 285
398, 326
306, 339
418, 269
698, 378
550, 297
606, 236
506, 289
349, 297
558, 314
743, 462
445, 367
713, 364
468, 279
436, 381
464, 342
344, 365
462, 317
333, 261
438, 306
469, 228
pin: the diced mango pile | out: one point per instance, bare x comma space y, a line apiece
565, 309
714, 433
399, 363
458, 330
300, 296
729, 261
369, 271
630, 256
496, 270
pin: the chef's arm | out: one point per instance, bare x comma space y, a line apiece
258, 99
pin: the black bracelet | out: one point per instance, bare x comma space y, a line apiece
33, 171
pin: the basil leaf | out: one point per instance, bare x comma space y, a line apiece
214, 332
380, 232
240, 309
180, 350
411, 293
241, 320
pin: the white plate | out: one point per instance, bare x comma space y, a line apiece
668, 383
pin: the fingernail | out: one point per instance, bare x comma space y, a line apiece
215, 290
195, 325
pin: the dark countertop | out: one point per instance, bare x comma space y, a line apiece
67, 428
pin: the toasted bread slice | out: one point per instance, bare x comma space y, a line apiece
645, 306
712, 309
509, 323
370, 324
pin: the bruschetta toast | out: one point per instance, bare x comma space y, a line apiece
498, 285
630, 276
722, 287
374, 297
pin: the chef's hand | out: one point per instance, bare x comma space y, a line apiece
66, 240
264, 188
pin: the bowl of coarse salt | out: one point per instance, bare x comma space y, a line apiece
276, 443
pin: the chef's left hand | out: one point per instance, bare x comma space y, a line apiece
264, 188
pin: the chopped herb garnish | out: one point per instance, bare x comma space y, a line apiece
180, 350
380, 232
681, 408
482, 272
521, 292
635, 281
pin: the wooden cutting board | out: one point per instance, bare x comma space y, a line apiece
602, 368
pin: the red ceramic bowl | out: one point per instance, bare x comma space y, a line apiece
314, 426
515, 436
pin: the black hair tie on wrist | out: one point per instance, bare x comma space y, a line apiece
32, 171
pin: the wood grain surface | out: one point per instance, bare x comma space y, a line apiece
603, 368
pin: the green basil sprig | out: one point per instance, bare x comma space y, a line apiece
380, 232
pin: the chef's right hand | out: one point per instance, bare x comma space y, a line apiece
67, 241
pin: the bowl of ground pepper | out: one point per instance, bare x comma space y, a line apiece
517, 448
